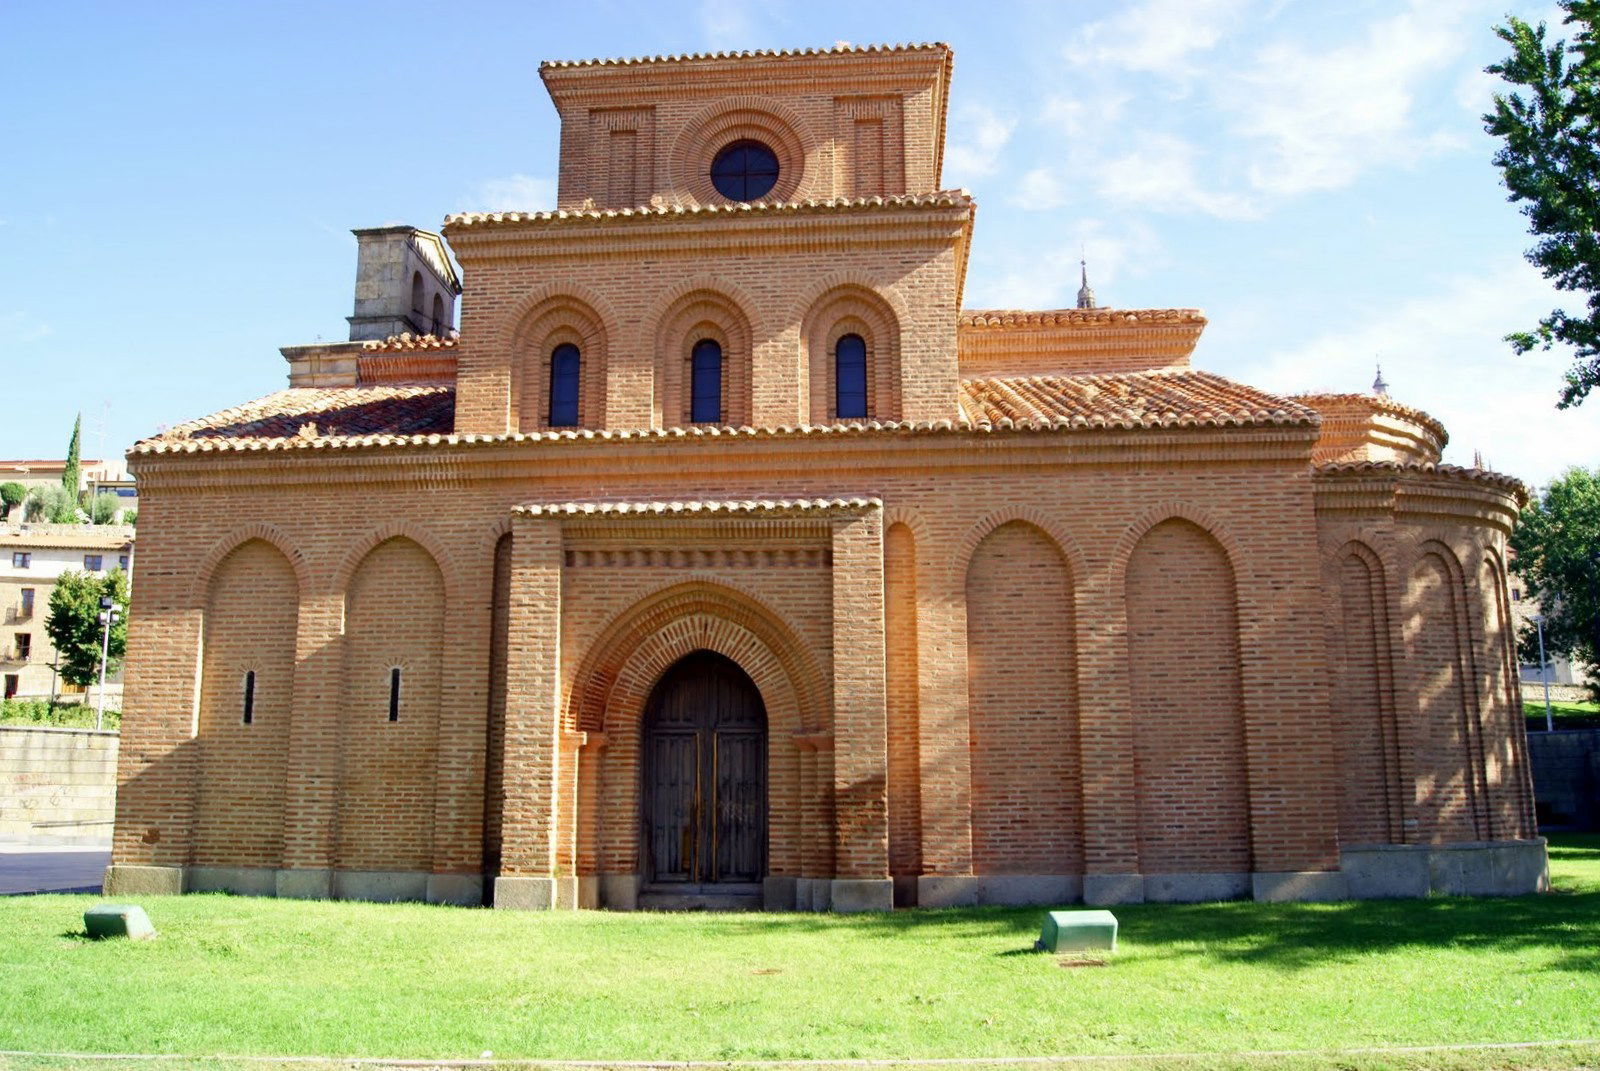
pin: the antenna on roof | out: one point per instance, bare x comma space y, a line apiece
1379, 387
1085, 295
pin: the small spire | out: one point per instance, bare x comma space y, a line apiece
1085, 295
1378, 385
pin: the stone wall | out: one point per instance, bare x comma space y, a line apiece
1566, 778
57, 786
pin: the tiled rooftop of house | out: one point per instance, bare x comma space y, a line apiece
1127, 399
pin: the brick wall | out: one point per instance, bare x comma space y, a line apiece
57, 786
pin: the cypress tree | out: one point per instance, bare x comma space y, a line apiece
70, 473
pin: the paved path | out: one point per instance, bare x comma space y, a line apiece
38, 870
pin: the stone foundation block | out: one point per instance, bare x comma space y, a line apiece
243, 880
567, 894
1314, 885
1113, 888
778, 893
463, 890
380, 886
947, 890
524, 894
854, 895
1385, 871
305, 884
813, 894
1195, 888
589, 892
618, 892
128, 880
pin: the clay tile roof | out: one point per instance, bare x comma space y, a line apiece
309, 412
1127, 400
980, 318
1420, 468
1381, 403
408, 342
940, 199
689, 507
689, 57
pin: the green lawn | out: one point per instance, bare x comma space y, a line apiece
238, 976
1565, 715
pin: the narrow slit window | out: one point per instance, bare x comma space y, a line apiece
705, 382
394, 694
249, 696
566, 365
850, 377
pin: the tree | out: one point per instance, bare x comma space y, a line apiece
1557, 544
11, 496
74, 624
1550, 162
103, 507
51, 504
71, 473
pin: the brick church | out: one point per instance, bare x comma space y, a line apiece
723, 559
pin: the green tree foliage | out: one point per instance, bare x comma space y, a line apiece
74, 623
1557, 543
51, 504
103, 507
11, 496
71, 474
1550, 162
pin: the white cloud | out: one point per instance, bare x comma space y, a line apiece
20, 328
1115, 251
1157, 36
725, 25
979, 135
1162, 172
1040, 189
514, 193
1320, 118
1444, 353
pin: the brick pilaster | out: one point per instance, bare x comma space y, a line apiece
860, 710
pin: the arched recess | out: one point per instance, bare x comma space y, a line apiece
852, 309
702, 313
1366, 731
1184, 678
225, 546
1512, 788
1027, 790
394, 621
1451, 804
553, 320
614, 681
904, 700
739, 118
247, 665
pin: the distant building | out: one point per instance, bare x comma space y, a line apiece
1569, 680
94, 477
32, 558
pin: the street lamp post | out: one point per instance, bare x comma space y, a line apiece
1544, 675
108, 614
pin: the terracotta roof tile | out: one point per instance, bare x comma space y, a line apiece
737, 506
836, 50
1071, 317
308, 412
407, 342
1418, 468
1126, 400
941, 199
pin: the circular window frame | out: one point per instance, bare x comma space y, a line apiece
740, 119
747, 145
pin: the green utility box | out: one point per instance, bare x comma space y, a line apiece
118, 920
1079, 931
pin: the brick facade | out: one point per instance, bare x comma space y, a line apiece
1060, 618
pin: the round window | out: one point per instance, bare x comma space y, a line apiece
744, 171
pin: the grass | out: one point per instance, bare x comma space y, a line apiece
1565, 715
59, 715
237, 976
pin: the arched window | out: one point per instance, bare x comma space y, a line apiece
565, 366
438, 314
416, 292
850, 377
705, 382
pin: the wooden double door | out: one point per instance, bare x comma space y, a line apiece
705, 776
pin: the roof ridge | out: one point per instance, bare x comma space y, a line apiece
724, 505
749, 53
957, 198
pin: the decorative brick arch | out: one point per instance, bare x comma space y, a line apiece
698, 309
425, 539
730, 119
237, 538
701, 599
1071, 553
545, 319
851, 305
1198, 516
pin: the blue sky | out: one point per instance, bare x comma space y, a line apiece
179, 182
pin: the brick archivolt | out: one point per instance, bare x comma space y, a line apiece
704, 312
843, 309
716, 612
238, 537
756, 118
543, 325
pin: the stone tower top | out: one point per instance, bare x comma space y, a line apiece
405, 284
725, 127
